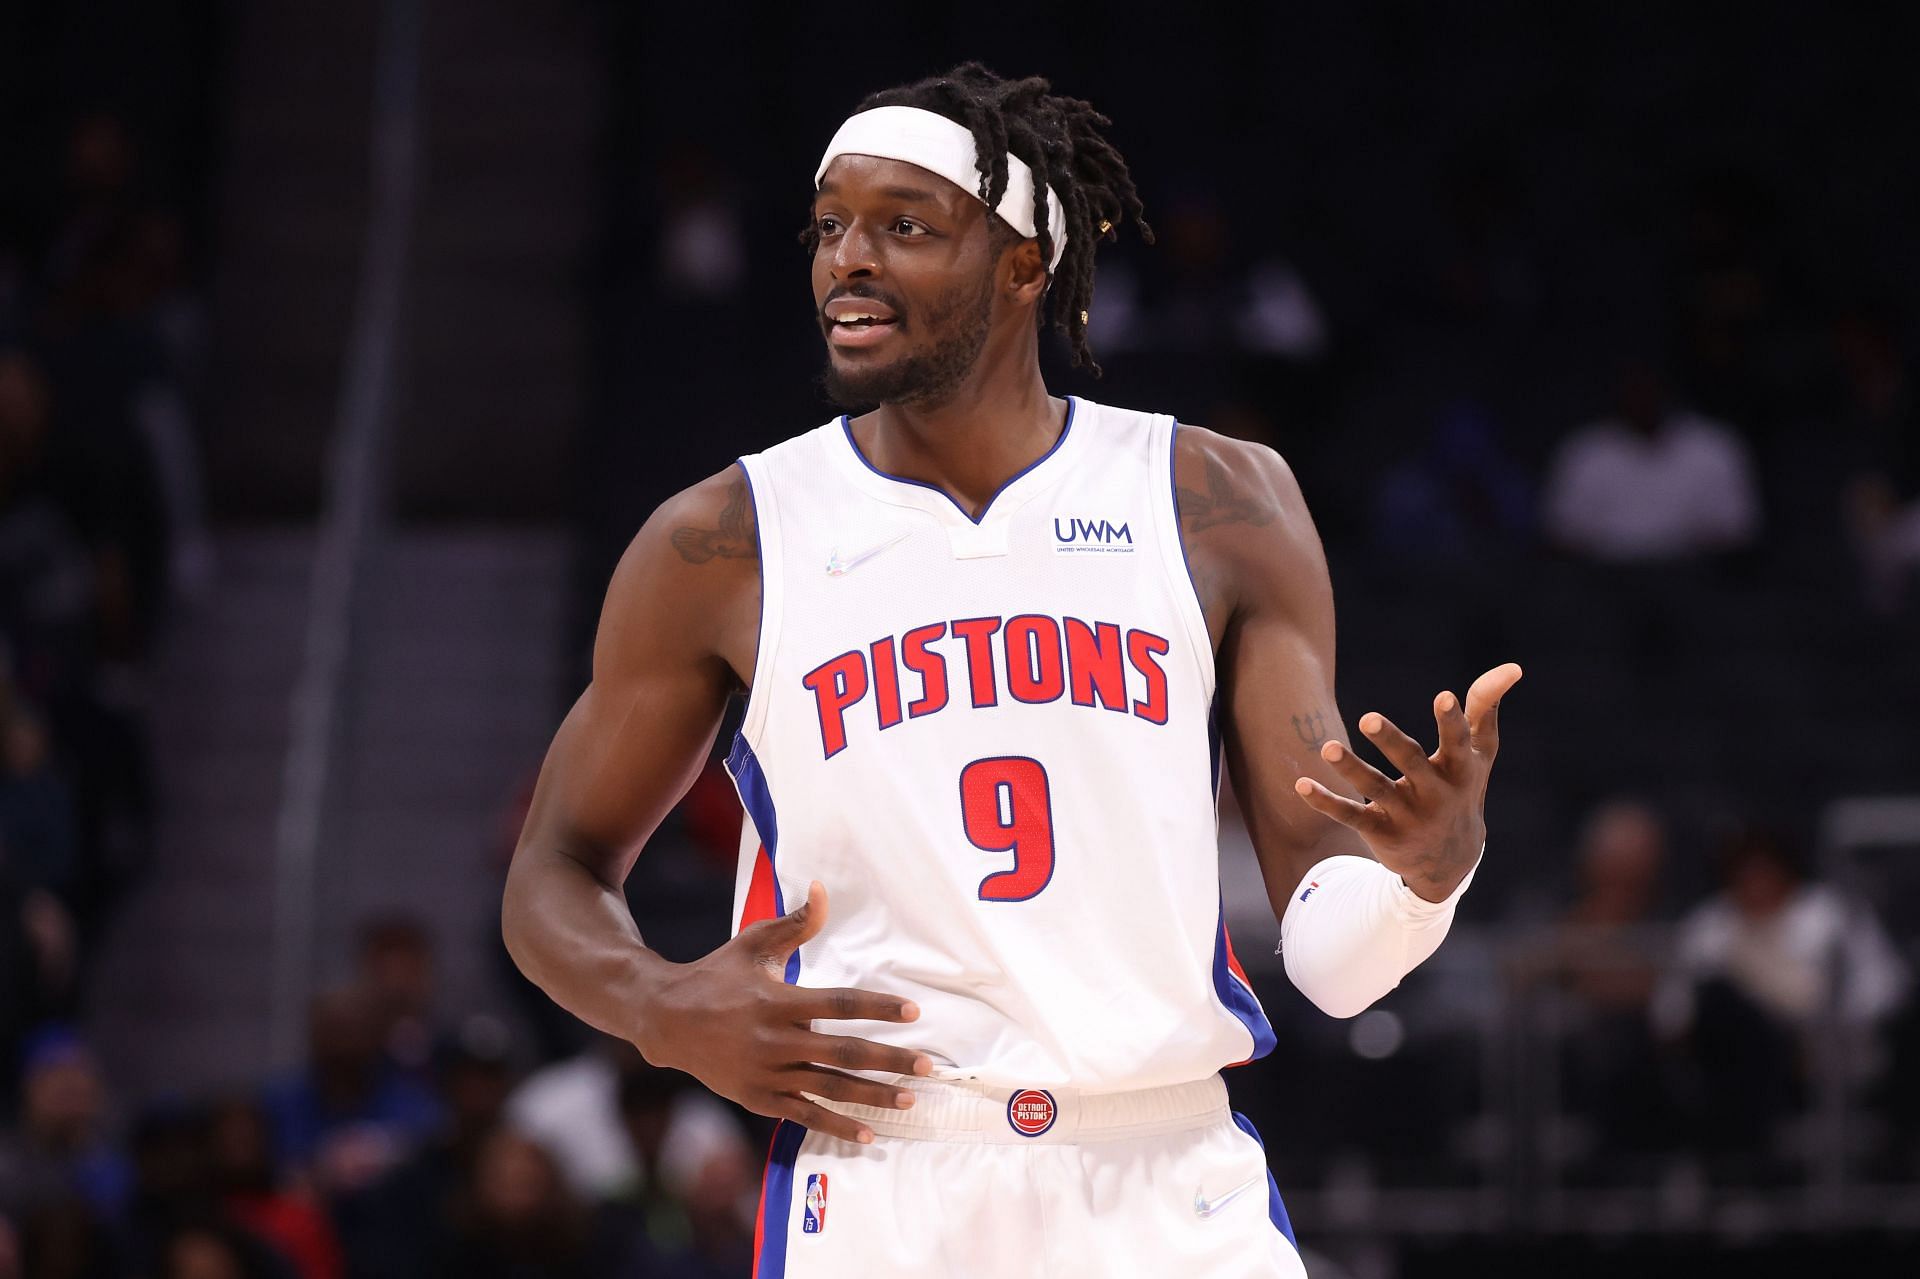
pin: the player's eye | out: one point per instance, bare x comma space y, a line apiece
906, 226
826, 225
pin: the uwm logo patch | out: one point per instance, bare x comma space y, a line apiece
1072, 535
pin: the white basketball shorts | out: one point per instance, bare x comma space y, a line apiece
975, 1182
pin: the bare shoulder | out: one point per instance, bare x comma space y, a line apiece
1244, 522
688, 586
713, 520
1221, 481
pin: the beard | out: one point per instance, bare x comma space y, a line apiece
958, 319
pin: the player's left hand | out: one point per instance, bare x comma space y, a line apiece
1430, 825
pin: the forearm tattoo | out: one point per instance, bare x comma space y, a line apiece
1311, 728
735, 539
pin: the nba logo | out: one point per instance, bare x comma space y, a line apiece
815, 1218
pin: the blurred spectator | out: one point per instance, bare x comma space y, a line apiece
216, 1250
396, 971
96, 194
1203, 297
399, 1224
1281, 317
1458, 498
253, 1195
719, 1191
1727, 294
516, 1218
1653, 485
573, 1109
1766, 973
1622, 853
66, 1240
36, 805
1603, 960
46, 573
38, 960
1484, 266
64, 607
689, 1212
349, 1116
1882, 417
62, 1150
702, 244
173, 1184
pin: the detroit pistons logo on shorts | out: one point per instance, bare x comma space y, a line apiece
1031, 1111
814, 1219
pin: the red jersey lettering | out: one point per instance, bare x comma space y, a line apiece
1143, 647
836, 685
1034, 671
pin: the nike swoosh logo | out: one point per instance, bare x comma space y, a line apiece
838, 567
1204, 1207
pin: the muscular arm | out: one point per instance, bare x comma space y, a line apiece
1262, 579
676, 633
1387, 866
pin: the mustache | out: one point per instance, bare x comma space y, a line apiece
858, 290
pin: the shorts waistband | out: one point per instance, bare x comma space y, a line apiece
964, 1111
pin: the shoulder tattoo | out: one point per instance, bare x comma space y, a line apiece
735, 538
1223, 502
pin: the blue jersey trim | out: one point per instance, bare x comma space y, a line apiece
751, 783
1239, 1000
760, 563
1214, 743
1173, 485
777, 1206
846, 425
1276, 1210
1213, 711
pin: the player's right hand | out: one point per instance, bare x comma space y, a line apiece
731, 1022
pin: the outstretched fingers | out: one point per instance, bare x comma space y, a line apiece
1455, 739
1357, 773
1483, 707
1350, 813
1401, 750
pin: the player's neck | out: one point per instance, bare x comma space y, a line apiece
970, 445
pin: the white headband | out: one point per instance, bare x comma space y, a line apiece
945, 147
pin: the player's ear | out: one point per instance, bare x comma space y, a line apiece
1024, 271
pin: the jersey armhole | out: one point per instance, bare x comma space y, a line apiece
766, 520
1173, 547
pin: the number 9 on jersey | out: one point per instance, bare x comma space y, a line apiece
1006, 807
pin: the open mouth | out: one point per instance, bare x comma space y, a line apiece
858, 332
857, 322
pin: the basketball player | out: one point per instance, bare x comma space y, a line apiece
994, 643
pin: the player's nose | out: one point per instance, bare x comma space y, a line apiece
855, 253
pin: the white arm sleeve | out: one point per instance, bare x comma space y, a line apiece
1353, 929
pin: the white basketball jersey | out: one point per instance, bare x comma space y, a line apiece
992, 741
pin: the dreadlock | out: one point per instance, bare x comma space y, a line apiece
1060, 139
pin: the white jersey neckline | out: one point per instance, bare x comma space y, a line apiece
919, 495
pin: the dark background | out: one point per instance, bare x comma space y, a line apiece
258, 546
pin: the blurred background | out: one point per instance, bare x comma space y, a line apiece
344, 346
